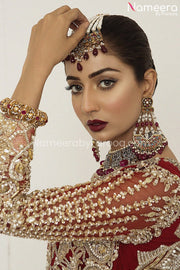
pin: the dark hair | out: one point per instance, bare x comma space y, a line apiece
129, 42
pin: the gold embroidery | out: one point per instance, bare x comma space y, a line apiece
163, 258
177, 232
91, 255
174, 162
130, 205
14, 157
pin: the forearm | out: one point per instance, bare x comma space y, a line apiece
30, 86
128, 206
48, 46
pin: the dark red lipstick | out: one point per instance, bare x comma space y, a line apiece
96, 124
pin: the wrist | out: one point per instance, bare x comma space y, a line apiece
16, 110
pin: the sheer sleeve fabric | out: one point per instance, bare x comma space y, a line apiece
131, 205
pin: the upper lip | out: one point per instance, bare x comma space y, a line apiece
95, 121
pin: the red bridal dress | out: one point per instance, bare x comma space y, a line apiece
125, 220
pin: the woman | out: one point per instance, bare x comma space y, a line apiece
127, 215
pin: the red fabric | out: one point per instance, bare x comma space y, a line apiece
127, 259
127, 254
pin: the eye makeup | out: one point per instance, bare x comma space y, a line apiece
109, 83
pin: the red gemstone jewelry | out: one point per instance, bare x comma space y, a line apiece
148, 139
95, 149
116, 159
92, 42
24, 112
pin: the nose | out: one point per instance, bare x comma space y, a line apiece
89, 102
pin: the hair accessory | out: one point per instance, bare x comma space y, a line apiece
95, 149
20, 111
148, 139
91, 42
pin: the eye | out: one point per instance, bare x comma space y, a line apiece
107, 84
75, 88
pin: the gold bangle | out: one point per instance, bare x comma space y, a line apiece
24, 112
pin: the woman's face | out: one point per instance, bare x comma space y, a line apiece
105, 89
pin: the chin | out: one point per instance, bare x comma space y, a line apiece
101, 138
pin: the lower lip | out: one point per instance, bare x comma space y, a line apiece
97, 127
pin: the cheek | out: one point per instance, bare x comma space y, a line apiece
123, 103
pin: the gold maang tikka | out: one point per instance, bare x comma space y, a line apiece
91, 42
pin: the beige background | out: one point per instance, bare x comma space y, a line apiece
59, 158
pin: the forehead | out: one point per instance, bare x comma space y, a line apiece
95, 63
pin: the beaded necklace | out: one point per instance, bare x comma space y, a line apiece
116, 159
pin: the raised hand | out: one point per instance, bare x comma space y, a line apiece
49, 44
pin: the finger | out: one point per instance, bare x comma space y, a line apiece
73, 26
61, 10
76, 15
78, 34
76, 22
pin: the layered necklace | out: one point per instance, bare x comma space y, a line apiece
116, 159
148, 140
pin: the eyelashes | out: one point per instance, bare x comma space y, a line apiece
69, 87
108, 84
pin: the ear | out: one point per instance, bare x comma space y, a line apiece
150, 77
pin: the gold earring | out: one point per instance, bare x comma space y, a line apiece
148, 139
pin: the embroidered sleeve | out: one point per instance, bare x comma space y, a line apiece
130, 205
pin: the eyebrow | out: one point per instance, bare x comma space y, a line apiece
92, 75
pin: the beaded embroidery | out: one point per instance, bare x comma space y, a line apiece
163, 258
101, 210
177, 232
88, 255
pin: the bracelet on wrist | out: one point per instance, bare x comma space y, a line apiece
24, 112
